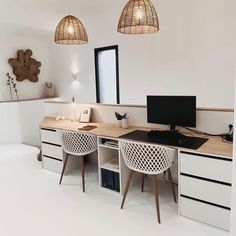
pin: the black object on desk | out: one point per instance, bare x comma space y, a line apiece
178, 140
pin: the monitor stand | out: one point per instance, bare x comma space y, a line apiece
172, 128
175, 132
172, 133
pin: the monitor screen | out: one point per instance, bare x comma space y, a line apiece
172, 110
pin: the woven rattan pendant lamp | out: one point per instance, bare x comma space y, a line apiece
70, 31
138, 17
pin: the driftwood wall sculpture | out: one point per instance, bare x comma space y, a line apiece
24, 66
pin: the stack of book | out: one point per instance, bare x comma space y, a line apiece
110, 180
111, 143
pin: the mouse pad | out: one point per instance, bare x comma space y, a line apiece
187, 142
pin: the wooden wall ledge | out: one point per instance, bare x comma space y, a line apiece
26, 100
144, 106
215, 109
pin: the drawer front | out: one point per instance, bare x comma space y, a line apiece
52, 165
50, 136
205, 190
212, 215
210, 168
52, 151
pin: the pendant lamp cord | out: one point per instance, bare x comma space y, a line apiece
70, 7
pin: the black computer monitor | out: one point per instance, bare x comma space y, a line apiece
172, 110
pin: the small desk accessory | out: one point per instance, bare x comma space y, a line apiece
85, 114
58, 117
88, 127
125, 123
120, 122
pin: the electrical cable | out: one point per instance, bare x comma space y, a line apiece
205, 133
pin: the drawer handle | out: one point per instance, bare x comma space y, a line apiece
53, 158
53, 144
207, 156
206, 179
52, 130
209, 203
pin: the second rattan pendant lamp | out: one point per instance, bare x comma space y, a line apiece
138, 17
70, 31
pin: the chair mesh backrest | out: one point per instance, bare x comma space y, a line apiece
147, 158
77, 143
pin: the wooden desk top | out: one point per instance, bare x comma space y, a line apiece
213, 146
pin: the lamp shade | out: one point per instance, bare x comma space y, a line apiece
70, 30
138, 17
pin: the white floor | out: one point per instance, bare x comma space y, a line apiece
32, 203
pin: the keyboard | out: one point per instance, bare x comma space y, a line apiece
166, 134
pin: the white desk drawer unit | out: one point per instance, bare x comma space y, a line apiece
52, 153
205, 188
206, 166
52, 164
50, 136
52, 150
209, 191
206, 213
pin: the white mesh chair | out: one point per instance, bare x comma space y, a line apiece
77, 144
148, 159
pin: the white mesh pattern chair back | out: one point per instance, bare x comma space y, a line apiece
147, 158
77, 143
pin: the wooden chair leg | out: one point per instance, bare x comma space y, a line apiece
127, 188
172, 185
64, 167
155, 190
82, 170
143, 180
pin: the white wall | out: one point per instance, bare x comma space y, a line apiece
9, 123
193, 53
19, 121
31, 114
26, 24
